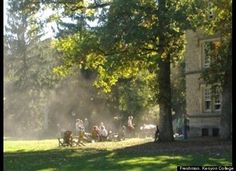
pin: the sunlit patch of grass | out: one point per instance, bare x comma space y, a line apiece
118, 144
29, 145
48, 169
44, 145
131, 154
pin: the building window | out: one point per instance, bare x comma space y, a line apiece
212, 103
207, 99
215, 132
206, 46
205, 132
209, 50
217, 102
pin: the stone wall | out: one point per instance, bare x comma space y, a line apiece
197, 124
193, 53
198, 120
193, 94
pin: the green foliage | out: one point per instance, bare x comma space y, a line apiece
125, 51
126, 42
219, 52
215, 17
131, 38
136, 94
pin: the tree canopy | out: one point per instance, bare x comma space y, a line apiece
127, 47
130, 37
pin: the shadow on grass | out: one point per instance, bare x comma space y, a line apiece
148, 156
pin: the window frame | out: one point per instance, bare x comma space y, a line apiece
217, 101
209, 97
206, 63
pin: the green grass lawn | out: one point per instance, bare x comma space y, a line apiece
132, 154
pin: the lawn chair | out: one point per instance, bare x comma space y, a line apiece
80, 139
67, 139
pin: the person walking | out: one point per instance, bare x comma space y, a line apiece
156, 134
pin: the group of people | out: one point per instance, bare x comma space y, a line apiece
99, 133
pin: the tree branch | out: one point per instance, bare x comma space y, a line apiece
72, 4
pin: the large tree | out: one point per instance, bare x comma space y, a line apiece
178, 88
131, 35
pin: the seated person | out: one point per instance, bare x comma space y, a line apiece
101, 125
122, 133
103, 133
81, 134
67, 138
95, 133
79, 126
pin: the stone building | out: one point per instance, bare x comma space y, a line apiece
203, 109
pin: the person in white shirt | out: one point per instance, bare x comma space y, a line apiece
103, 133
130, 126
101, 125
79, 126
130, 123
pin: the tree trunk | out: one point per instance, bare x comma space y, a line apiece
165, 122
226, 113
